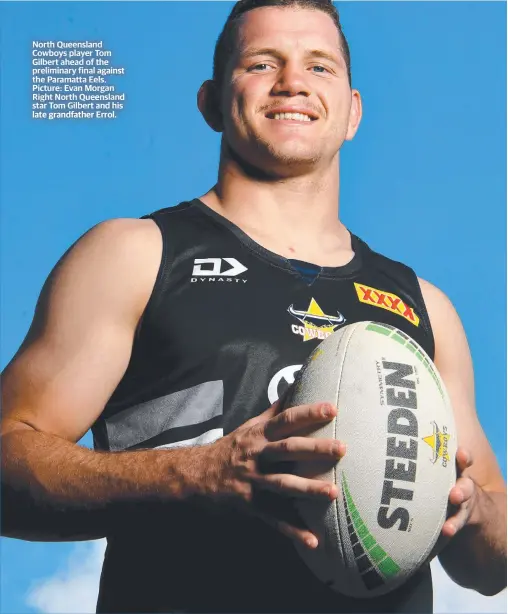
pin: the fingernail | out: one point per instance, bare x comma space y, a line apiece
326, 411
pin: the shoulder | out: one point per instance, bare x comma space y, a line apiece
117, 242
436, 301
440, 308
433, 293
115, 262
451, 345
123, 231
400, 279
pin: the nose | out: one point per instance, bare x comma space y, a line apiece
292, 81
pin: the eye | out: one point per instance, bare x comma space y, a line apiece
321, 69
261, 66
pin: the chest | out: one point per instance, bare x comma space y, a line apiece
244, 305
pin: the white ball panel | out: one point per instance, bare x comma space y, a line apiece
350, 369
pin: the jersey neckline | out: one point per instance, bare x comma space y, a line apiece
346, 270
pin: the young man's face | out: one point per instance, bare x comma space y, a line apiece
288, 60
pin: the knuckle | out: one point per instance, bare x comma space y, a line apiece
237, 440
314, 411
250, 453
319, 411
246, 444
321, 447
286, 445
321, 487
244, 491
280, 482
285, 418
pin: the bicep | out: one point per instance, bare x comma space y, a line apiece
453, 361
80, 341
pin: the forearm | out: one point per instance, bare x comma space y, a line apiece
476, 557
54, 490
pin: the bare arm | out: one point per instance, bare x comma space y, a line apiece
54, 389
54, 490
75, 354
476, 555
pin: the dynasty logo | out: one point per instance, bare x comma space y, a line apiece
438, 443
315, 324
386, 300
212, 270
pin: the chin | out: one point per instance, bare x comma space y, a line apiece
289, 158
289, 166
294, 156
271, 160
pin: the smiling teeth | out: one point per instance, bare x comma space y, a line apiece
298, 116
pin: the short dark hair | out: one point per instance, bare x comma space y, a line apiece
227, 39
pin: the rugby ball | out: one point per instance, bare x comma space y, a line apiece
396, 419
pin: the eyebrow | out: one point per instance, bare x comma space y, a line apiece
260, 51
318, 53
312, 53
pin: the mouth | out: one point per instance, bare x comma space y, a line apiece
297, 116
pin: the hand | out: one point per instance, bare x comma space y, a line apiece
462, 496
252, 466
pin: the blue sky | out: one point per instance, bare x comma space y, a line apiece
424, 181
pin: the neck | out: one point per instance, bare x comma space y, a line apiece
296, 217
309, 200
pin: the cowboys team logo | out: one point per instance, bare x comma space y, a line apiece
314, 323
438, 443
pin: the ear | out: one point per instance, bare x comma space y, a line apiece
209, 105
355, 114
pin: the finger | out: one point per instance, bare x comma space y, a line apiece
462, 491
294, 419
304, 449
460, 498
464, 459
296, 486
304, 536
269, 413
297, 534
282, 514
456, 522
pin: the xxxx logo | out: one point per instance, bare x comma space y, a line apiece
386, 300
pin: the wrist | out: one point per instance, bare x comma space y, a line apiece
487, 505
188, 473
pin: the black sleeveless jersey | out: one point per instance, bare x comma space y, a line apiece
228, 325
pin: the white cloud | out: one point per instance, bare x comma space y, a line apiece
451, 598
74, 589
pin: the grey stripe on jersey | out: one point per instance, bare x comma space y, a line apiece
190, 407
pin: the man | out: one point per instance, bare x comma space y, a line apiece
156, 333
